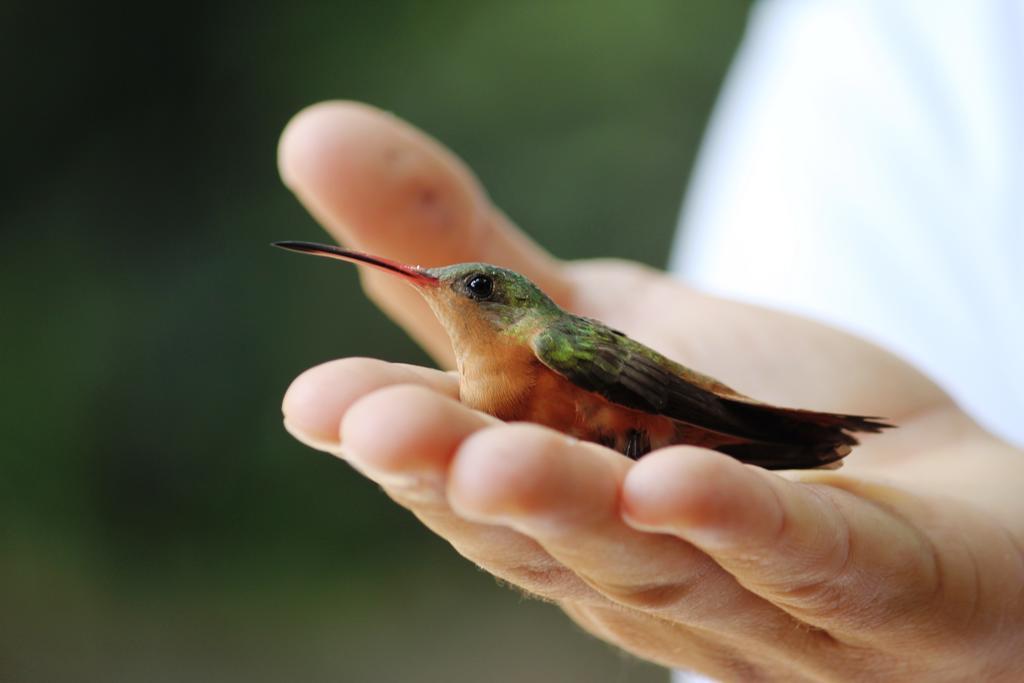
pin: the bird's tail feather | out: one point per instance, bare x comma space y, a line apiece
780, 456
784, 438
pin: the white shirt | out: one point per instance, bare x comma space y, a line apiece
865, 167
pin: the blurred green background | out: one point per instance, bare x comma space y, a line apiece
157, 522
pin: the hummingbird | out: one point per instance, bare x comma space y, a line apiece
521, 357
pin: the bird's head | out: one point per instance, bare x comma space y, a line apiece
476, 303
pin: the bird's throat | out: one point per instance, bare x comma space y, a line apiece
497, 365
498, 379
496, 372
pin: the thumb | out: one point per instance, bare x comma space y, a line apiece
379, 185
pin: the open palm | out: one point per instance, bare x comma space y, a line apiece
906, 563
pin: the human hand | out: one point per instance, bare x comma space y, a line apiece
906, 564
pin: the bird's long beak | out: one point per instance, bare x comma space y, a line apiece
413, 274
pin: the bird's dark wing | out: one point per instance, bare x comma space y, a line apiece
625, 372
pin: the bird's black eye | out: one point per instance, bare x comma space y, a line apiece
479, 286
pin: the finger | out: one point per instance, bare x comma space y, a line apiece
829, 558
400, 424
404, 438
318, 398
565, 494
380, 185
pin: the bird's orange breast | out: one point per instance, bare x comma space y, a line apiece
558, 403
516, 387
